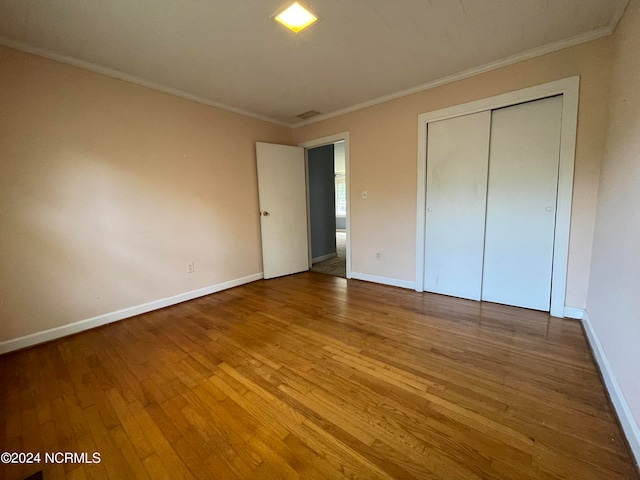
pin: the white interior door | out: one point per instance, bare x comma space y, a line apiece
457, 165
521, 204
283, 209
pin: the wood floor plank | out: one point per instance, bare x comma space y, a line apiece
317, 377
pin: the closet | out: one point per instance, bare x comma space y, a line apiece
491, 191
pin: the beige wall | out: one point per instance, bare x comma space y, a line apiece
613, 304
108, 189
383, 141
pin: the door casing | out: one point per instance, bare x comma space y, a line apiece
318, 142
569, 89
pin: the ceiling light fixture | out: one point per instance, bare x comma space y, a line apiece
296, 17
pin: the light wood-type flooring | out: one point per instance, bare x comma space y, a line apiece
316, 377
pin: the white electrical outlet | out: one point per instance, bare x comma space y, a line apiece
190, 267
378, 256
364, 194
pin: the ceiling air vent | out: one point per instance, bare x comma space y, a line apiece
309, 114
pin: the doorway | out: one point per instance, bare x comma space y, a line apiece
327, 209
492, 181
327, 161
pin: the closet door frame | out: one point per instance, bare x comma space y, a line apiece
569, 89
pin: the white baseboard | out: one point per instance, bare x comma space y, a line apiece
571, 312
324, 257
71, 328
627, 420
383, 280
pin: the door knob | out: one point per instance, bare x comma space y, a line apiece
265, 213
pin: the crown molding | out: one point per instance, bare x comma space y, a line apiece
617, 16
529, 54
536, 52
93, 67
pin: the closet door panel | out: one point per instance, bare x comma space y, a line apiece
521, 204
457, 163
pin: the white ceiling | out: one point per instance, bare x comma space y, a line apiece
231, 52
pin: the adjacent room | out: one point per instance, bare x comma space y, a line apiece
328, 209
320, 239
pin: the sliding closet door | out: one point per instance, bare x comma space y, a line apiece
457, 162
521, 204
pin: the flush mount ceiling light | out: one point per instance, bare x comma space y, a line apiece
296, 17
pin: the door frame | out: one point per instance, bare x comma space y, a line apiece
319, 142
569, 89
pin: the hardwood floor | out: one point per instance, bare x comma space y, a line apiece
315, 377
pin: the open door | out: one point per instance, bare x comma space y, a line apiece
283, 209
